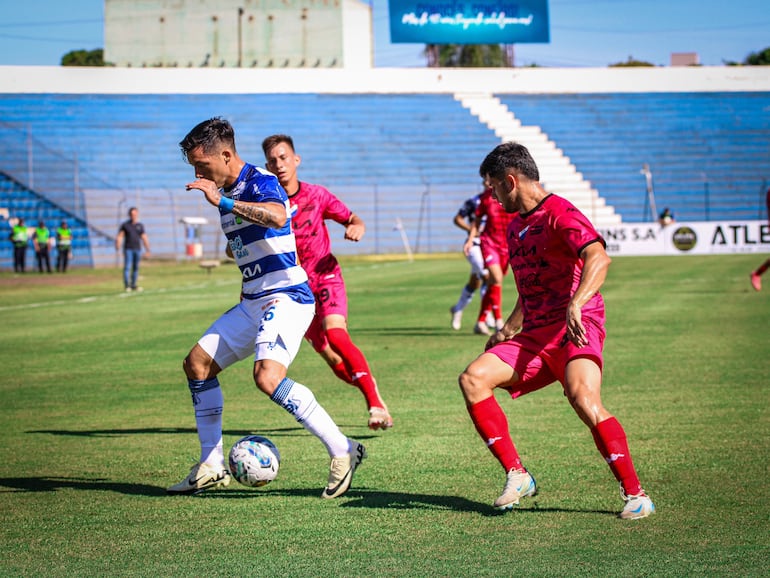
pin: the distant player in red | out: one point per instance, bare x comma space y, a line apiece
756, 275
311, 206
494, 248
555, 332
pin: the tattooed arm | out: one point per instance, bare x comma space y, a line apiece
269, 214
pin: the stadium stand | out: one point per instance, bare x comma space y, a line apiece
399, 160
708, 152
20, 202
415, 163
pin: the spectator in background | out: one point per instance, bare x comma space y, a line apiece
666, 217
20, 239
756, 275
63, 246
42, 241
132, 236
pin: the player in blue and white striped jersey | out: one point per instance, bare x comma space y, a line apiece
269, 322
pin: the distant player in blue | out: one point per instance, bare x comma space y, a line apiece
479, 274
269, 322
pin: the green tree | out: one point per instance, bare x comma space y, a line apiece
84, 58
630, 63
761, 58
467, 55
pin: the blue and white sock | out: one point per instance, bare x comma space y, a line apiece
208, 402
300, 402
464, 300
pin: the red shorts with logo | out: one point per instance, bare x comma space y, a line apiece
539, 356
330, 299
494, 254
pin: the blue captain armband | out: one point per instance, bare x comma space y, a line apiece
226, 204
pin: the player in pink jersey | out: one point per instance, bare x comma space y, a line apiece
494, 248
554, 333
756, 275
312, 205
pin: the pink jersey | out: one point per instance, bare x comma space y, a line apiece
310, 208
490, 212
544, 249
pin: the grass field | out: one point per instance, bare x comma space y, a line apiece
97, 421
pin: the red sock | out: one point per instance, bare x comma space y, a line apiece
612, 444
356, 365
497, 303
493, 300
491, 297
342, 372
492, 425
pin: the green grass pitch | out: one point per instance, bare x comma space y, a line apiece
96, 421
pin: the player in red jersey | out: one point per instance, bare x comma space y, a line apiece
494, 248
554, 333
312, 205
756, 275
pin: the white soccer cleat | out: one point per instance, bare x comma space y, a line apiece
481, 328
457, 319
202, 477
342, 469
637, 506
379, 418
519, 484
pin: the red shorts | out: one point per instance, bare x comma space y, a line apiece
494, 254
539, 356
330, 299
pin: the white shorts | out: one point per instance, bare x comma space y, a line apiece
476, 259
269, 328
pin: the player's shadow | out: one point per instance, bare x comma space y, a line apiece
275, 432
53, 484
360, 498
370, 498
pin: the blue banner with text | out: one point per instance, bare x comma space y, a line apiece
468, 22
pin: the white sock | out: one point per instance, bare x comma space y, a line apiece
300, 402
465, 299
208, 402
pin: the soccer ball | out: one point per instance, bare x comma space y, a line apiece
254, 461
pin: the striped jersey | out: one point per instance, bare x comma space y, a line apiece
267, 257
468, 212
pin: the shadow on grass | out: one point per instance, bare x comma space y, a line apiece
276, 432
88, 484
374, 499
361, 498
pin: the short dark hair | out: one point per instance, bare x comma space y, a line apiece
509, 156
210, 135
275, 139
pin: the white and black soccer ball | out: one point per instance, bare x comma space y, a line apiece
254, 461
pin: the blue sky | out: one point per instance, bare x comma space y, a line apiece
583, 32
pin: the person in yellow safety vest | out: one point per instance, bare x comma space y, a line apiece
19, 238
41, 239
63, 246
